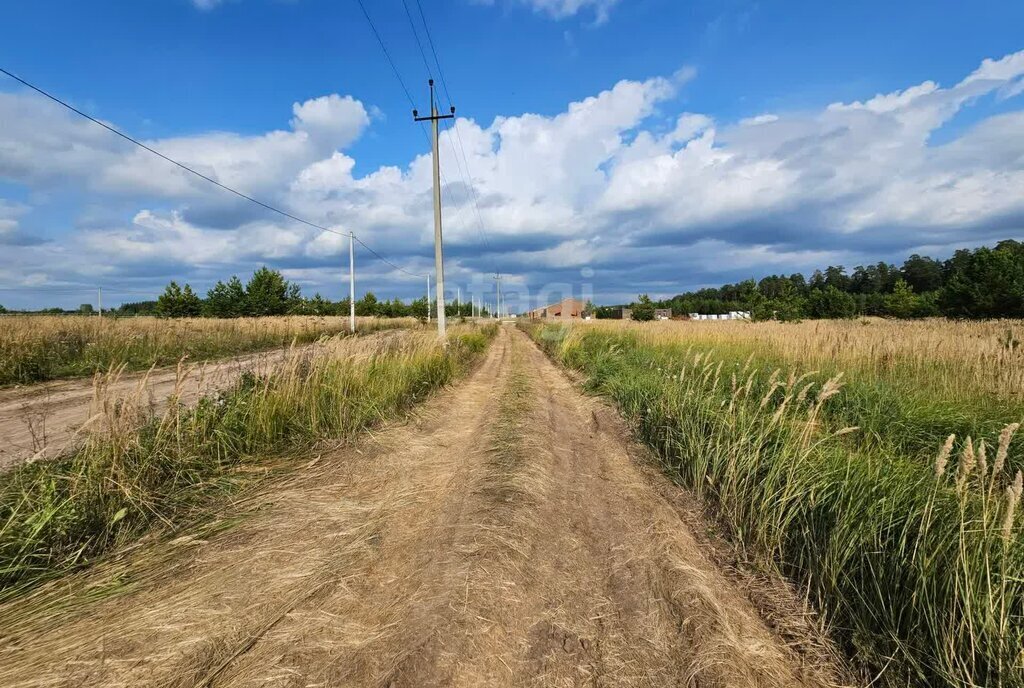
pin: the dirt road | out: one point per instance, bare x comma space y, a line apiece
504, 536
40, 420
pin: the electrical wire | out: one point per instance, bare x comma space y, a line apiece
416, 35
472, 189
445, 186
382, 258
430, 40
185, 167
70, 290
380, 41
468, 177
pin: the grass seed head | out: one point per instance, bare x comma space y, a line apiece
1003, 449
967, 462
942, 460
767, 397
1013, 493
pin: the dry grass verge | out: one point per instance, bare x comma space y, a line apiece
131, 477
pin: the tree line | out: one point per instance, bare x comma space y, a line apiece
974, 283
268, 293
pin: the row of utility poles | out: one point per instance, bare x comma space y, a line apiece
477, 309
433, 118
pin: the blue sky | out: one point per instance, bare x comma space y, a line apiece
616, 146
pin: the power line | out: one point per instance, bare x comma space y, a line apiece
469, 174
161, 155
382, 258
191, 170
386, 53
416, 35
71, 288
56, 289
471, 187
430, 75
468, 177
430, 40
448, 95
445, 189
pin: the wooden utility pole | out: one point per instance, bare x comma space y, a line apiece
434, 118
352, 281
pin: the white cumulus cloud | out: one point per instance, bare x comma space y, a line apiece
648, 197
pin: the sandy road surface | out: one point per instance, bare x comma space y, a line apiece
504, 536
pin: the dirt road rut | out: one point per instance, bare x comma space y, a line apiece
502, 537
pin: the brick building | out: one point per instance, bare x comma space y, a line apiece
566, 308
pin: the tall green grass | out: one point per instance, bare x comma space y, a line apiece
901, 411
918, 565
60, 514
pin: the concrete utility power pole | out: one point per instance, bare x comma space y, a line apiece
434, 118
352, 281
458, 301
99, 299
497, 277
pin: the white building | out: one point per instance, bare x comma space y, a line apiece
731, 315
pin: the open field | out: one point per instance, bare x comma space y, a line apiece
958, 360
508, 535
826, 450
800, 516
47, 347
43, 420
906, 384
134, 470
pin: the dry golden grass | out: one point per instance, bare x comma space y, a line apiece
44, 347
817, 445
501, 538
961, 359
135, 470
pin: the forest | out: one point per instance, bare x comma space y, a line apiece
973, 283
